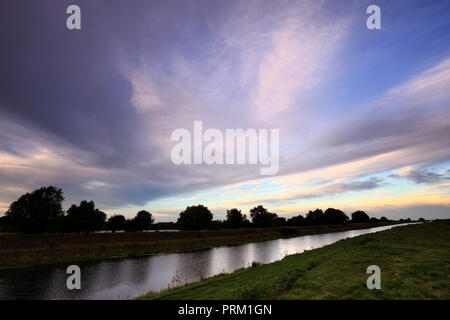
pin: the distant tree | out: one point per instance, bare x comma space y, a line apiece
296, 221
335, 216
143, 220
195, 218
5, 224
115, 223
247, 223
129, 225
235, 219
85, 218
165, 226
360, 216
384, 219
315, 217
261, 218
373, 220
36, 212
422, 220
280, 221
217, 224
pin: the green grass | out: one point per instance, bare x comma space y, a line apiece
19, 250
414, 262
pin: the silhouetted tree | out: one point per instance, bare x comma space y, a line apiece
235, 219
85, 218
360, 216
280, 221
261, 218
195, 218
335, 216
36, 212
217, 224
422, 220
5, 224
165, 226
115, 223
143, 220
315, 217
373, 220
384, 219
296, 221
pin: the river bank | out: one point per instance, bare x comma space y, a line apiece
414, 262
19, 250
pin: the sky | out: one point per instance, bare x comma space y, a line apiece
363, 115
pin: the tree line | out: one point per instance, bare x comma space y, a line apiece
41, 211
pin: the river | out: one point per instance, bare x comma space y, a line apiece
131, 277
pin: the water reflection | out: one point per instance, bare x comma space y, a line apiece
127, 278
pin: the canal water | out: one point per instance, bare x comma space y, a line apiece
131, 277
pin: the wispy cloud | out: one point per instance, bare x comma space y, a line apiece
421, 175
93, 112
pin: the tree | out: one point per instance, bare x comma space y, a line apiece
235, 219
335, 216
422, 220
373, 220
384, 219
261, 218
280, 221
360, 216
85, 218
296, 221
115, 223
142, 221
217, 224
315, 217
38, 211
5, 224
195, 218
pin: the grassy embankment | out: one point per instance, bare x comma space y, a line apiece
414, 262
18, 250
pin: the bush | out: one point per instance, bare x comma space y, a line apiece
287, 232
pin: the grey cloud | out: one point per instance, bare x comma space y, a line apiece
422, 175
371, 183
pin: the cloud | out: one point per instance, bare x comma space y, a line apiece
421, 175
93, 111
331, 189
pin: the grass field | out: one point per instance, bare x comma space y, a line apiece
18, 250
414, 262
